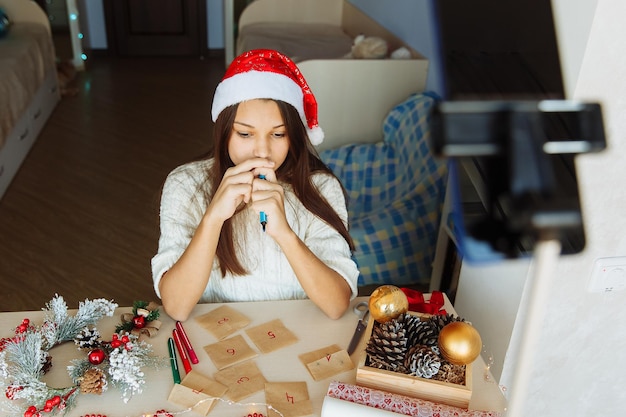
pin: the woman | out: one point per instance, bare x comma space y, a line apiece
213, 247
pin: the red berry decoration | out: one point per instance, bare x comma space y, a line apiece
96, 356
115, 342
12, 390
23, 327
30, 411
139, 322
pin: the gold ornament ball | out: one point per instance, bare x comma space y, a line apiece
459, 343
387, 302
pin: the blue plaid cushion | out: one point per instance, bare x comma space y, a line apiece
395, 195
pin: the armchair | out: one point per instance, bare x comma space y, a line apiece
395, 190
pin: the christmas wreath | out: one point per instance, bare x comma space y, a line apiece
25, 358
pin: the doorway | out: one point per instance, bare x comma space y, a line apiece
156, 27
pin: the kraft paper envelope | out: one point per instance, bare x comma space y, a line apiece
291, 399
223, 321
229, 352
242, 380
326, 362
271, 336
197, 392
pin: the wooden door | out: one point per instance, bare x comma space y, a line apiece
156, 27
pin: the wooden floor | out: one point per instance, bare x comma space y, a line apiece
81, 217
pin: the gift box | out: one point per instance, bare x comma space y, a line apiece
454, 394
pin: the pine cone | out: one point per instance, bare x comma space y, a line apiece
422, 361
93, 382
387, 346
87, 338
47, 364
440, 320
421, 332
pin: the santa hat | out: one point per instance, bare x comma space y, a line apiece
265, 73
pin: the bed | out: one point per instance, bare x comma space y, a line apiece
354, 95
28, 83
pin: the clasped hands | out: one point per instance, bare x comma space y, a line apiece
241, 185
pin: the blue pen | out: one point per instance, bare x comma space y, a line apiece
173, 360
262, 215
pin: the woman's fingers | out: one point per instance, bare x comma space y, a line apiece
256, 166
239, 184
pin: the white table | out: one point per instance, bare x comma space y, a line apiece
313, 329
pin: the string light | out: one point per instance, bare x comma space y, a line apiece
76, 35
487, 374
164, 413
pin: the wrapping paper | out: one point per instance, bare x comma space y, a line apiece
394, 403
333, 407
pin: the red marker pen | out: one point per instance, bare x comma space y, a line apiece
186, 342
181, 351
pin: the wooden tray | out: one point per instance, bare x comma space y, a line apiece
398, 383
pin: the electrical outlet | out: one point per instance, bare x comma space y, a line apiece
608, 274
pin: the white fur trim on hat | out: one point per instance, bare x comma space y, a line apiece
257, 84
316, 135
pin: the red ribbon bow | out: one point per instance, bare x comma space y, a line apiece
417, 303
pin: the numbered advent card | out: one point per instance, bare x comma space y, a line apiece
271, 336
242, 380
229, 352
290, 399
197, 392
326, 362
223, 321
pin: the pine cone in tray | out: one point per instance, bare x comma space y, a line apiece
387, 347
422, 361
420, 332
441, 320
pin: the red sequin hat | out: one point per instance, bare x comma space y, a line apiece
265, 73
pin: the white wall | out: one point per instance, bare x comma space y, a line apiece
215, 19
578, 367
92, 23
411, 21
573, 21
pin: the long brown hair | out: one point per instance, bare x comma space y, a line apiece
301, 163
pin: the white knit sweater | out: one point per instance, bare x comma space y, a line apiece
270, 275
